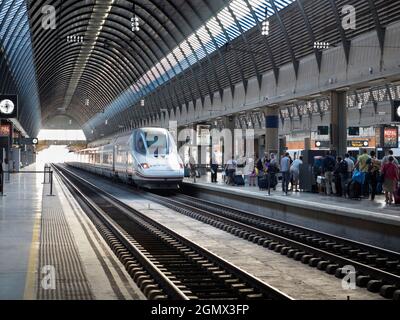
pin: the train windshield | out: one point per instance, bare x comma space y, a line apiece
153, 142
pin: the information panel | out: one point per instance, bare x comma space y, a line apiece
390, 137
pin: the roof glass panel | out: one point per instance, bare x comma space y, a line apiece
170, 66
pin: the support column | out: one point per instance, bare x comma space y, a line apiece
271, 129
307, 143
338, 132
229, 124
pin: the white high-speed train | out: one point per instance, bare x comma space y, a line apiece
146, 157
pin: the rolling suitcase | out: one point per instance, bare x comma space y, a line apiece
187, 172
238, 180
262, 183
354, 190
274, 180
396, 196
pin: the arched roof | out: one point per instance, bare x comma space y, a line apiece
184, 50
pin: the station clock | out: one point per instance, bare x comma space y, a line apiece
396, 111
8, 106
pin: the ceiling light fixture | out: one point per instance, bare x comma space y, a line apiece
265, 28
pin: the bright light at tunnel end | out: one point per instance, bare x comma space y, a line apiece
61, 135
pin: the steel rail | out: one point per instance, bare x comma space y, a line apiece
324, 260
167, 285
250, 280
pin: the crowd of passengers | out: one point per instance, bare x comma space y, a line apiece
338, 175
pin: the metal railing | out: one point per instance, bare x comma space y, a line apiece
46, 171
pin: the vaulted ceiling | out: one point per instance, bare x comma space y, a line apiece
93, 67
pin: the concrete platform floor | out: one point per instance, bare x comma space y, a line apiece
377, 208
290, 276
20, 212
26, 211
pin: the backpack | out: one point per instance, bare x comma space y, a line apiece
343, 166
330, 164
370, 165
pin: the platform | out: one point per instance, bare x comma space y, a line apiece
292, 277
373, 222
49, 249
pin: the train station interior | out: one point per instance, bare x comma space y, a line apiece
207, 150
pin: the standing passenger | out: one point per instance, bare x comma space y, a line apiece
328, 165
249, 170
231, 168
214, 167
362, 164
285, 169
192, 164
341, 166
274, 169
373, 172
344, 173
295, 172
386, 158
391, 176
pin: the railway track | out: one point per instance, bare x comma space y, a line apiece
376, 269
163, 264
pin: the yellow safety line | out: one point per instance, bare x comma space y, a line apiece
31, 274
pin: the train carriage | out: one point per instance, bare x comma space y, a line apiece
146, 157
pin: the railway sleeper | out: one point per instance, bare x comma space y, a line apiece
306, 258
285, 250
387, 291
331, 268
279, 247
292, 252
314, 262
392, 264
374, 285
297, 256
323, 264
154, 293
145, 281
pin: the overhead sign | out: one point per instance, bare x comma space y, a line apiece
323, 130
358, 143
390, 137
354, 131
8, 106
322, 144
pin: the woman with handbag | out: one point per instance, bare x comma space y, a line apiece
390, 174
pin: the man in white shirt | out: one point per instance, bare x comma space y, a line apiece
295, 172
285, 169
231, 168
350, 163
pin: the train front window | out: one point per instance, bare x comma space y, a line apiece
157, 143
152, 143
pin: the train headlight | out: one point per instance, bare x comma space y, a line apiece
145, 165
